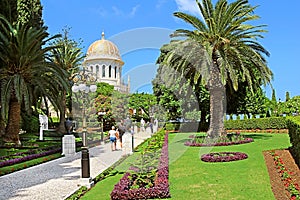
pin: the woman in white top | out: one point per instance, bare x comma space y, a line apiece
113, 138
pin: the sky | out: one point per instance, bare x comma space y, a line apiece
140, 28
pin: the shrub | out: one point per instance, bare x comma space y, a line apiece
294, 133
161, 184
260, 123
30, 123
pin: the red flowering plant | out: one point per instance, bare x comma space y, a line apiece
158, 189
292, 187
223, 156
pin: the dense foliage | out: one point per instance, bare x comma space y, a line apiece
259, 123
293, 124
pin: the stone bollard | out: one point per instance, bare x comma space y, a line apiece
68, 145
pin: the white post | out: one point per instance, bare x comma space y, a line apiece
41, 126
41, 131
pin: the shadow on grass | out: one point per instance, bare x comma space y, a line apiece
182, 140
259, 136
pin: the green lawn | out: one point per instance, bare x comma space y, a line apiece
191, 178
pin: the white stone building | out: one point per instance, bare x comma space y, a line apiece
104, 60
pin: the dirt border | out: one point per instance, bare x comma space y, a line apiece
277, 185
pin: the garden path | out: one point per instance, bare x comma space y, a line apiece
59, 178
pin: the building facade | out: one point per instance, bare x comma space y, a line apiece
103, 59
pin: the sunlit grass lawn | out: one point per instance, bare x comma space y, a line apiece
191, 178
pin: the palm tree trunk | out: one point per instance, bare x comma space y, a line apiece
217, 103
13, 126
217, 111
61, 127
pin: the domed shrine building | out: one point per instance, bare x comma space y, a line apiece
103, 59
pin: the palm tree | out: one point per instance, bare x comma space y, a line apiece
68, 57
221, 51
25, 69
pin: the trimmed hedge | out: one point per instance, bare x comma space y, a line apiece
257, 123
245, 124
293, 124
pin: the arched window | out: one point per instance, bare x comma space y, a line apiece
97, 70
103, 70
91, 68
115, 71
109, 71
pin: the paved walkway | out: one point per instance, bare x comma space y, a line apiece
59, 178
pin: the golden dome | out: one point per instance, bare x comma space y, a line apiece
103, 49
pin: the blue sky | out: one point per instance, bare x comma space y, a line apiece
139, 28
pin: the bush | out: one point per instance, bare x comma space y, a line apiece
293, 124
260, 123
30, 123
161, 184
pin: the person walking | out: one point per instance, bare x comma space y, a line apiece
113, 138
121, 130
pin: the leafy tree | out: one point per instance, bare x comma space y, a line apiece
30, 12
189, 101
290, 107
143, 103
113, 102
120, 105
104, 89
222, 49
167, 99
24, 69
103, 99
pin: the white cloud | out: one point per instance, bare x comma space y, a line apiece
122, 13
160, 3
188, 6
133, 10
117, 11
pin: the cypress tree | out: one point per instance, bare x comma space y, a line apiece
274, 96
287, 96
30, 12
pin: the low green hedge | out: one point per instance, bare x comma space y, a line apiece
294, 133
257, 123
245, 124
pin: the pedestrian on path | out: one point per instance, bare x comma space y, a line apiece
113, 138
121, 129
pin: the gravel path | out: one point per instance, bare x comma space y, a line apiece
59, 178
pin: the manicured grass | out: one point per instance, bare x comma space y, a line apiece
103, 189
191, 178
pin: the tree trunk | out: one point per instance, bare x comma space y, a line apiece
13, 126
2, 126
61, 127
217, 103
217, 111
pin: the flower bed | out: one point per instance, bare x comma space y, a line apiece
161, 183
223, 156
28, 157
292, 187
226, 140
